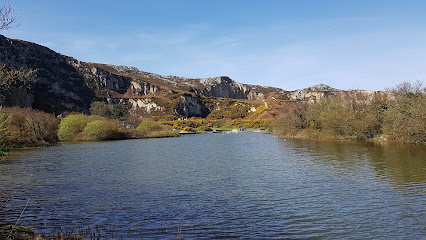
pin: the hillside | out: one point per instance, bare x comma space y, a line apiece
64, 84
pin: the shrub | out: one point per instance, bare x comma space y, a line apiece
72, 125
4, 133
115, 111
99, 108
149, 125
25, 126
230, 109
98, 130
348, 116
406, 117
260, 110
187, 129
294, 120
205, 128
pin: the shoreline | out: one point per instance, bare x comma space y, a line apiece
365, 141
12, 149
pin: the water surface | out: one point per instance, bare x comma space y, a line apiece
246, 185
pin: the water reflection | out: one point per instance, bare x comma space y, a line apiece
400, 163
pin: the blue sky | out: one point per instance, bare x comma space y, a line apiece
290, 44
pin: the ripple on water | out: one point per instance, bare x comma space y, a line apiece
221, 186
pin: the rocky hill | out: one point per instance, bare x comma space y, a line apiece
63, 83
60, 83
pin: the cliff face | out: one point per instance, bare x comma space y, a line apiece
313, 93
190, 106
226, 88
66, 84
58, 87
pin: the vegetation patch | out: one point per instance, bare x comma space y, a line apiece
25, 126
113, 111
203, 125
149, 125
99, 130
71, 126
16, 232
399, 116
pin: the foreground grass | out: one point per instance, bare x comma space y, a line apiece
18, 232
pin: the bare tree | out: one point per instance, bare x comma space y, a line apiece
8, 17
407, 88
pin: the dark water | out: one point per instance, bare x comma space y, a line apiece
247, 185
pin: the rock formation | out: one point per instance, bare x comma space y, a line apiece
313, 93
64, 83
190, 106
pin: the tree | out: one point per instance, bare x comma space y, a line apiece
8, 17
116, 111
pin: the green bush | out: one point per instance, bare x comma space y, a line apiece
149, 125
118, 111
72, 125
100, 130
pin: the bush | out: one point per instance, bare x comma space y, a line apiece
360, 116
72, 125
115, 111
294, 120
187, 129
100, 130
4, 133
405, 119
348, 116
99, 108
25, 126
231, 109
149, 125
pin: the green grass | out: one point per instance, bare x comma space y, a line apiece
227, 127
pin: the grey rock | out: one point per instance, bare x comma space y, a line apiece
190, 106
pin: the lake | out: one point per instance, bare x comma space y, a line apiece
219, 186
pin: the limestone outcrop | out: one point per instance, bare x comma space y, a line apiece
225, 87
313, 93
190, 106
64, 83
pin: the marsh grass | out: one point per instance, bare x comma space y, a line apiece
19, 232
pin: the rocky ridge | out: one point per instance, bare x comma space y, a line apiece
64, 83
